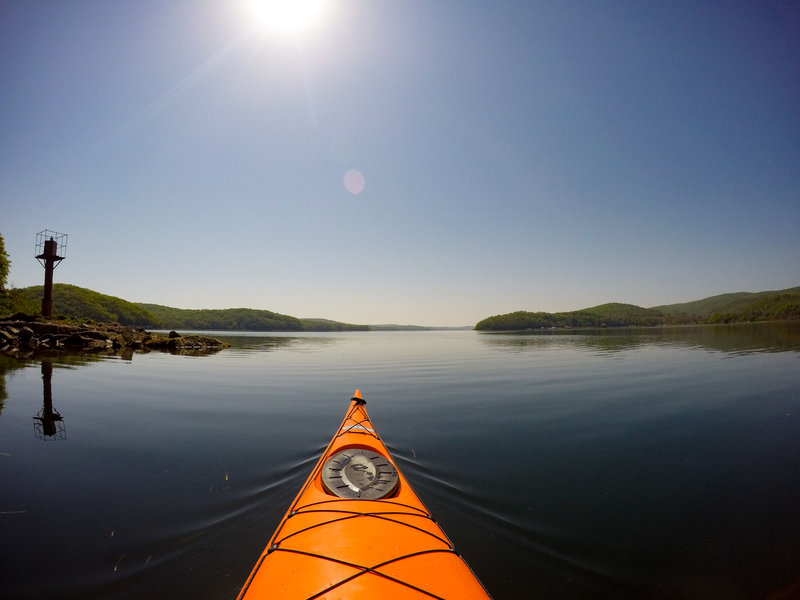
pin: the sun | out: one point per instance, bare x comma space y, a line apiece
288, 15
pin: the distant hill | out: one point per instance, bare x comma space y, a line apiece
604, 315
393, 327
328, 325
241, 319
227, 319
80, 303
726, 308
74, 302
723, 303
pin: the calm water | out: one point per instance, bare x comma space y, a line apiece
636, 464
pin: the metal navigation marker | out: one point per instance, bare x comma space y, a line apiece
359, 473
48, 245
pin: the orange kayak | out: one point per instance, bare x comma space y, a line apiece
357, 530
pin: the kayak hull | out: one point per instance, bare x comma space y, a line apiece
333, 547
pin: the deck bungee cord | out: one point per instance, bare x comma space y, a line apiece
357, 530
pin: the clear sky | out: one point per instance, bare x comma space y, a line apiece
431, 162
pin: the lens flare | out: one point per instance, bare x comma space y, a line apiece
354, 181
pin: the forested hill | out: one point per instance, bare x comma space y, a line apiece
77, 303
74, 302
605, 315
726, 308
80, 303
240, 319
229, 319
732, 304
328, 325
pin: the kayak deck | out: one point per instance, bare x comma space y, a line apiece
357, 530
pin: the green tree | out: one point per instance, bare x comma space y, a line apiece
5, 263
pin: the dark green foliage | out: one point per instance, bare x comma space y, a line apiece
228, 319
727, 308
17, 301
724, 303
518, 321
79, 303
5, 263
617, 315
327, 325
241, 319
605, 315
781, 307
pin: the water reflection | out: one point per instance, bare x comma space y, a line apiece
48, 423
744, 338
241, 343
267, 342
9, 365
6, 364
567, 477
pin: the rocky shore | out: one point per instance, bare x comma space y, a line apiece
24, 335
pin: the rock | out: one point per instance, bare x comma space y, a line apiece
43, 328
74, 340
93, 334
30, 335
95, 344
156, 343
60, 339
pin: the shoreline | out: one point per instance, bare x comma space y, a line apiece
23, 335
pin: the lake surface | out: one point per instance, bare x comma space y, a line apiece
653, 463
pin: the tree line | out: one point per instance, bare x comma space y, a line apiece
76, 303
776, 307
607, 315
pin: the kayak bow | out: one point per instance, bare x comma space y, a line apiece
357, 530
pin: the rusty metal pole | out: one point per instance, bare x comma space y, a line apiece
49, 255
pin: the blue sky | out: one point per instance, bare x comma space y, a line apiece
516, 155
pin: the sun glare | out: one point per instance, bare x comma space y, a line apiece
288, 15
